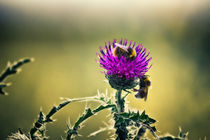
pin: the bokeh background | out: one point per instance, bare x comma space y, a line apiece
63, 37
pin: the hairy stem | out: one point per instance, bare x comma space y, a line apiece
120, 101
122, 132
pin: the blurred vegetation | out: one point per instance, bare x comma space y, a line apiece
11, 69
64, 39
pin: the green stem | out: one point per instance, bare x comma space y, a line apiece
120, 101
122, 132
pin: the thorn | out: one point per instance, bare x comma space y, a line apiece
32, 59
20, 131
8, 64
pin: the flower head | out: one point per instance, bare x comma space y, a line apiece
123, 61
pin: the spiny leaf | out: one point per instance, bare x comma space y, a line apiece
101, 107
10, 70
55, 109
13, 68
88, 113
42, 119
3, 85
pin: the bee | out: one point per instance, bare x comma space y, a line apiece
144, 85
127, 52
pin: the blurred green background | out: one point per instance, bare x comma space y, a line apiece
63, 37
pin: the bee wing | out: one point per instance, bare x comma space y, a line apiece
122, 47
146, 93
150, 87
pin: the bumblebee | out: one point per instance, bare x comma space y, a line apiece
127, 52
144, 85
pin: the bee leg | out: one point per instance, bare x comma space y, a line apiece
146, 93
145, 98
135, 90
127, 91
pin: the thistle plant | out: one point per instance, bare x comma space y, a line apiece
125, 67
11, 69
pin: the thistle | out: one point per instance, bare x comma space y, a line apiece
123, 64
125, 67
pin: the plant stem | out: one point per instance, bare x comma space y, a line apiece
121, 131
120, 101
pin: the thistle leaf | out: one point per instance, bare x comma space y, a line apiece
10, 70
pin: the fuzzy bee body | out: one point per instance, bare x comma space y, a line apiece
142, 93
144, 84
125, 51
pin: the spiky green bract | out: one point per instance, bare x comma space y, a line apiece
122, 83
10, 70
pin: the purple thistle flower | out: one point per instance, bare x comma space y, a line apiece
120, 60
